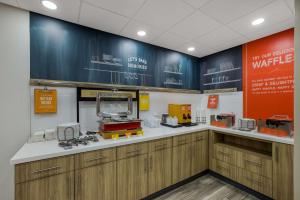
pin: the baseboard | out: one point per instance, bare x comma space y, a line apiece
212, 173
240, 186
176, 185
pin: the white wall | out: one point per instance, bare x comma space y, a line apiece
228, 102
66, 110
14, 88
297, 106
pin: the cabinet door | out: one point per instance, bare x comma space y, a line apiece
283, 171
132, 178
96, 182
57, 187
199, 154
181, 163
160, 170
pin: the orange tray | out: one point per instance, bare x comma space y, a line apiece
120, 133
273, 131
219, 124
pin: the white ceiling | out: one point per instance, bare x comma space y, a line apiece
208, 25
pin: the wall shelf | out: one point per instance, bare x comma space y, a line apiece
169, 83
169, 72
228, 70
106, 63
217, 83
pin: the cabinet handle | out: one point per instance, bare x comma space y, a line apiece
134, 151
253, 163
46, 170
95, 159
224, 154
146, 165
200, 138
151, 164
276, 153
181, 142
160, 147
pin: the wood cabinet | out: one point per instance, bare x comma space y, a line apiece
283, 164
54, 187
132, 171
160, 165
95, 175
96, 182
50, 179
266, 167
199, 152
43, 168
255, 181
181, 161
132, 177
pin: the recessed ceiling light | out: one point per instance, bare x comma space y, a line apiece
191, 49
141, 33
49, 4
258, 21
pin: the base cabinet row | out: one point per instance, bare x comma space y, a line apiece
135, 171
130, 172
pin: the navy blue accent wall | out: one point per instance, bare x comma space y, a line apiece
222, 70
61, 50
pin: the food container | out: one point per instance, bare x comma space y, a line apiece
224, 120
278, 125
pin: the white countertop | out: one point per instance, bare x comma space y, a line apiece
50, 149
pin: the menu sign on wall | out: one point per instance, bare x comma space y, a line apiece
64, 51
45, 101
269, 76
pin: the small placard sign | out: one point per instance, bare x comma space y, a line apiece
213, 101
144, 102
45, 101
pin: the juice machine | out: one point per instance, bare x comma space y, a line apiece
182, 112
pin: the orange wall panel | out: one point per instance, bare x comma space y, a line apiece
268, 76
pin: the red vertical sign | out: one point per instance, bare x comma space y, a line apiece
268, 75
213, 101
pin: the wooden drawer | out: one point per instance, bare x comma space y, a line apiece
256, 163
181, 140
132, 150
199, 136
225, 154
224, 169
43, 168
254, 181
91, 158
161, 144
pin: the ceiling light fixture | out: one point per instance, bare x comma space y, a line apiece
49, 4
141, 33
258, 21
191, 49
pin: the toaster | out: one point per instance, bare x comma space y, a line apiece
246, 124
223, 120
68, 131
